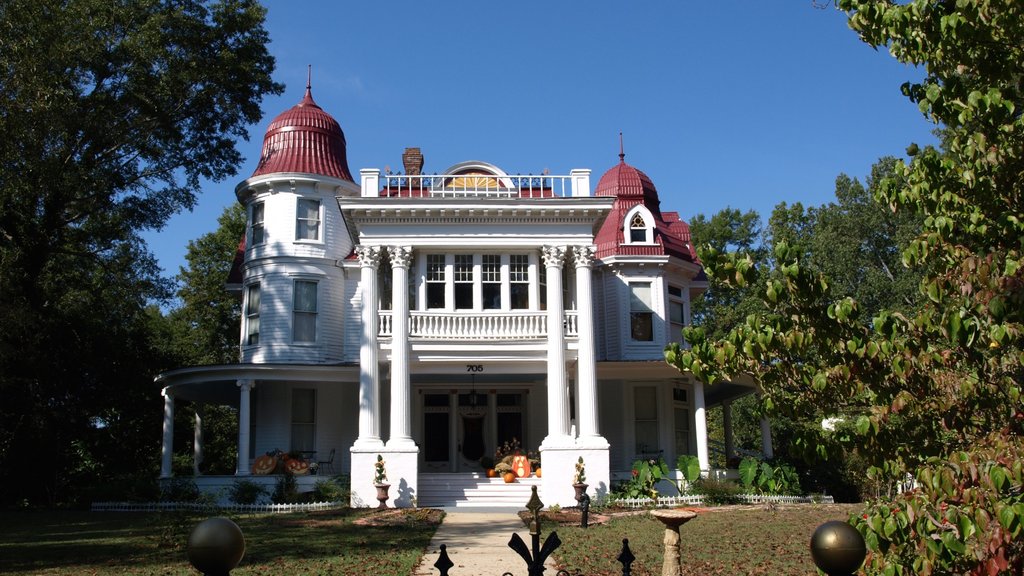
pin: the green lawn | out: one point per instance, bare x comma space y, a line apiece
336, 542
728, 540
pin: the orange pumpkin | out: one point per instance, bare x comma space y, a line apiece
521, 465
296, 466
264, 465
491, 473
536, 471
509, 477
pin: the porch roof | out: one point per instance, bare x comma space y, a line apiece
218, 383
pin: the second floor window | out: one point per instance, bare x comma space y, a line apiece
463, 281
641, 313
307, 219
519, 281
304, 312
491, 281
252, 315
256, 228
435, 281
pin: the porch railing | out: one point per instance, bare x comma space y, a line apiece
478, 325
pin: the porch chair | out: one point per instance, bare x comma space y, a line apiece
326, 465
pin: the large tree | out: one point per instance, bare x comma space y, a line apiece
112, 112
934, 391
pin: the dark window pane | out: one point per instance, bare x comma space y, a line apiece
435, 441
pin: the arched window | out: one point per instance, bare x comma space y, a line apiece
638, 230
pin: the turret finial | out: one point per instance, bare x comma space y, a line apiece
622, 152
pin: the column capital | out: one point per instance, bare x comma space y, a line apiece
245, 384
369, 256
554, 256
401, 256
166, 392
583, 256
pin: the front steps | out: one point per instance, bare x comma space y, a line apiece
473, 490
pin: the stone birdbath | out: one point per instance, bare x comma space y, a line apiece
672, 519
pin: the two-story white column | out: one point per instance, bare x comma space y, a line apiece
700, 425
167, 446
197, 442
558, 421
369, 372
401, 409
590, 436
244, 419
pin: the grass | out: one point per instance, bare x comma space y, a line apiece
726, 540
335, 542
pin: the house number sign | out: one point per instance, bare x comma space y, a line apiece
474, 367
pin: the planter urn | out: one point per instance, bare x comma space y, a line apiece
382, 495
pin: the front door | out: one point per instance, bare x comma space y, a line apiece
461, 426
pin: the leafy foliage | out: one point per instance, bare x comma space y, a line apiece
768, 478
934, 390
112, 113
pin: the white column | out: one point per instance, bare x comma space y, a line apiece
558, 422
244, 420
700, 425
369, 372
167, 446
730, 444
401, 410
583, 257
197, 441
766, 439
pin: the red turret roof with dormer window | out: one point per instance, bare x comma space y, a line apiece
631, 187
305, 139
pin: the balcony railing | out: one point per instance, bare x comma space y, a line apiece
375, 184
491, 326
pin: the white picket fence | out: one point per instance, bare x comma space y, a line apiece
698, 500
203, 507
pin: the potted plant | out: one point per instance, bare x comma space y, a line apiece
380, 479
579, 479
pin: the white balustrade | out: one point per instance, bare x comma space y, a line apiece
375, 184
478, 325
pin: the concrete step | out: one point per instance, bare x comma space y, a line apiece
470, 489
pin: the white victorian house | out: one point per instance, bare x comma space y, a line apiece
431, 318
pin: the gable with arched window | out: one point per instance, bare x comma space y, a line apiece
638, 226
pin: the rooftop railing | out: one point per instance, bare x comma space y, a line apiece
377, 185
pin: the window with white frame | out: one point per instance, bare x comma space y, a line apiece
681, 410
463, 281
307, 219
641, 312
645, 421
638, 229
435, 280
676, 315
491, 279
257, 234
519, 281
304, 311
303, 419
252, 315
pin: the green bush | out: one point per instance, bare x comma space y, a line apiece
179, 490
769, 477
717, 492
246, 492
286, 491
335, 489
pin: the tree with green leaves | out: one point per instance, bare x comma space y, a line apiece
934, 392
112, 112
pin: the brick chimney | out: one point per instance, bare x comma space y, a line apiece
412, 159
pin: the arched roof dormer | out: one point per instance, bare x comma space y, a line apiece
638, 226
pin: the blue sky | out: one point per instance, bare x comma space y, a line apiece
723, 104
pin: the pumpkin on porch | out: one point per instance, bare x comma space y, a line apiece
521, 465
509, 477
491, 473
296, 466
264, 465
536, 472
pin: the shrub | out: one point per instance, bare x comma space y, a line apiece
286, 491
769, 477
646, 475
179, 490
717, 492
335, 489
246, 492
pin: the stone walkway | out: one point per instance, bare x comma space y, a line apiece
477, 544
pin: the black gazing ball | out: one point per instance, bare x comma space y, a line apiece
215, 546
837, 548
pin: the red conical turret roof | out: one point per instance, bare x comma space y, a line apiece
305, 139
